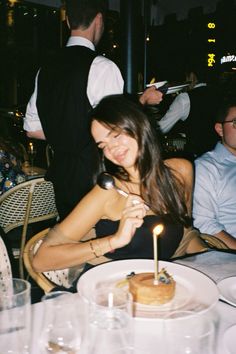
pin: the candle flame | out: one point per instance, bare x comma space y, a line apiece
158, 229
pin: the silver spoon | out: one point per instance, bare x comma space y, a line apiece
106, 181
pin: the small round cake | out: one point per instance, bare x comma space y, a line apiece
144, 290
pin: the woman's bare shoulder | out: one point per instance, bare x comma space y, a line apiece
99, 196
180, 165
109, 202
97, 204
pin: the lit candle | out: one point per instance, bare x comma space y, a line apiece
156, 232
31, 147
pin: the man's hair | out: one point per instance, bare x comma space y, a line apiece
81, 13
224, 108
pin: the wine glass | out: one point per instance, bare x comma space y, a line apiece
15, 316
61, 330
32, 151
189, 332
110, 322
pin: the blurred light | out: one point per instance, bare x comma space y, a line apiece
148, 39
12, 2
114, 46
10, 18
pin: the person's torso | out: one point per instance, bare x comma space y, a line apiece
141, 245
62, 101
223, 178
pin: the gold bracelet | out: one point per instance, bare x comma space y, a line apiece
95, 248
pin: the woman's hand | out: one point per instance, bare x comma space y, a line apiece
132, 218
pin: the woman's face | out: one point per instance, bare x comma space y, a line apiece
117, 146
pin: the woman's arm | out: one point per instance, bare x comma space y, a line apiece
66, 251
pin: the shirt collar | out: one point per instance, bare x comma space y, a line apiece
224, 153
77, 40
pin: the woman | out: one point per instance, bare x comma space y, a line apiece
159, 192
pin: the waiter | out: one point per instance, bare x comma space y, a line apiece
67, 86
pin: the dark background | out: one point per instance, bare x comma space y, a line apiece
30, 31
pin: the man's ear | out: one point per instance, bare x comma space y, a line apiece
219, 129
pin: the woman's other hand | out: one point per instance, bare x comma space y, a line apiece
132, 218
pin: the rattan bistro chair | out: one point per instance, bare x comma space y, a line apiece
24, 204
43, 280
48, 280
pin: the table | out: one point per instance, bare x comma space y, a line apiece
216, 264
38, 172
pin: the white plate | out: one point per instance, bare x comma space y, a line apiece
157, 84
173, 89
229, 339
194, 290
227, 289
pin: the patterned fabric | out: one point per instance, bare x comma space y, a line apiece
5, 267
11, 173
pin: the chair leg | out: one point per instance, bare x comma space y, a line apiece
24, 232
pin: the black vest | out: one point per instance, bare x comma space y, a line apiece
199, 126
63, 108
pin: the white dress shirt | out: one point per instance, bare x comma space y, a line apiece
214, 197
178, 110
104, 79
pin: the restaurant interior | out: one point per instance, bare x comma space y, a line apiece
150, 41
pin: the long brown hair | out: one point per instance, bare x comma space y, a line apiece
159, 186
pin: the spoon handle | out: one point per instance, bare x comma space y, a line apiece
122, 192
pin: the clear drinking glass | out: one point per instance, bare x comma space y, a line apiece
15, 316
61, 331
189, 332
110, 324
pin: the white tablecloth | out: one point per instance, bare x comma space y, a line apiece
217, 265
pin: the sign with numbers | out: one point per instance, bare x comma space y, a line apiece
211, 59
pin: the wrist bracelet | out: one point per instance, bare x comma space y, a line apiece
95, 248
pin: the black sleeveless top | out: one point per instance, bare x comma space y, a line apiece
141, 245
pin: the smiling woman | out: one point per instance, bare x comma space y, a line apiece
124, 225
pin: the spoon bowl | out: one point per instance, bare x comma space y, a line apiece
106, 181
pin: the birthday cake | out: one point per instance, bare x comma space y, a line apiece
146, 291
